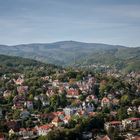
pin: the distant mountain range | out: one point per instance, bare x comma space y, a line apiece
72, 52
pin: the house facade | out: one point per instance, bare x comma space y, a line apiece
131, 123
116, 124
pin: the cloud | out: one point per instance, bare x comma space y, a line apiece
50, 20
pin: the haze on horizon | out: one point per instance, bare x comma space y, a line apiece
43, 21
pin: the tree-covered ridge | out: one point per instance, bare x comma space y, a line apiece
79, 53
9, 64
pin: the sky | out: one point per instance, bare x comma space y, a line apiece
94, 21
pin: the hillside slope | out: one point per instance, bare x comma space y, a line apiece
71, 52
10, 64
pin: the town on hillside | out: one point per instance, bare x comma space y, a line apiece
38, 102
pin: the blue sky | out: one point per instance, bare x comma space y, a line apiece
42, 21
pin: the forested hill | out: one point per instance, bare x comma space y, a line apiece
71, 52
9, 64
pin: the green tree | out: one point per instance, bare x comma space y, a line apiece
16, 114
122, 113
125, 100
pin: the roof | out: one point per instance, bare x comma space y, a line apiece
72, 92
133, 119
58, 113
115, 122
92, 113
67, 117
57, 120
46, 127
1, 135
105, 99
105, 138
91, 97
136, 138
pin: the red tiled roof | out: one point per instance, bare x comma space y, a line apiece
105, 99
46, 127
133, 119
115, 122
67, 117
58, 113
136, 138
22, 129
72, 92
105, 138
57, 120
92, 113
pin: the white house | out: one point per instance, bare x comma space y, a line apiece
29, 105
116, 124
69, 111
131, 123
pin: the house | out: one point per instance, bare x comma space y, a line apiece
11, 132
84, 87
22, 89
91, 114
19, 81
69, 111
50, 92
66, 85
129, 110
59, 114
131, 123
45, 103
55, 83
73, 93
110, 96
82, 113
105, 102
14, 125
19, 99
115, 101
139, 109
116, 124
89, 107
7, 94
57, 122
29, 105
17, 106
113, 113
44, 129
26, 133
87, 135
67, 119
24, 114
92, 98
103, 138
43, 99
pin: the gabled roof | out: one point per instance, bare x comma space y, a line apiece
106, 138
115, 122
57, 120
67, 117
134, 119
105, 99
46, 127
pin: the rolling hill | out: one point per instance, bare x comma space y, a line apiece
72, 52
11, 64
